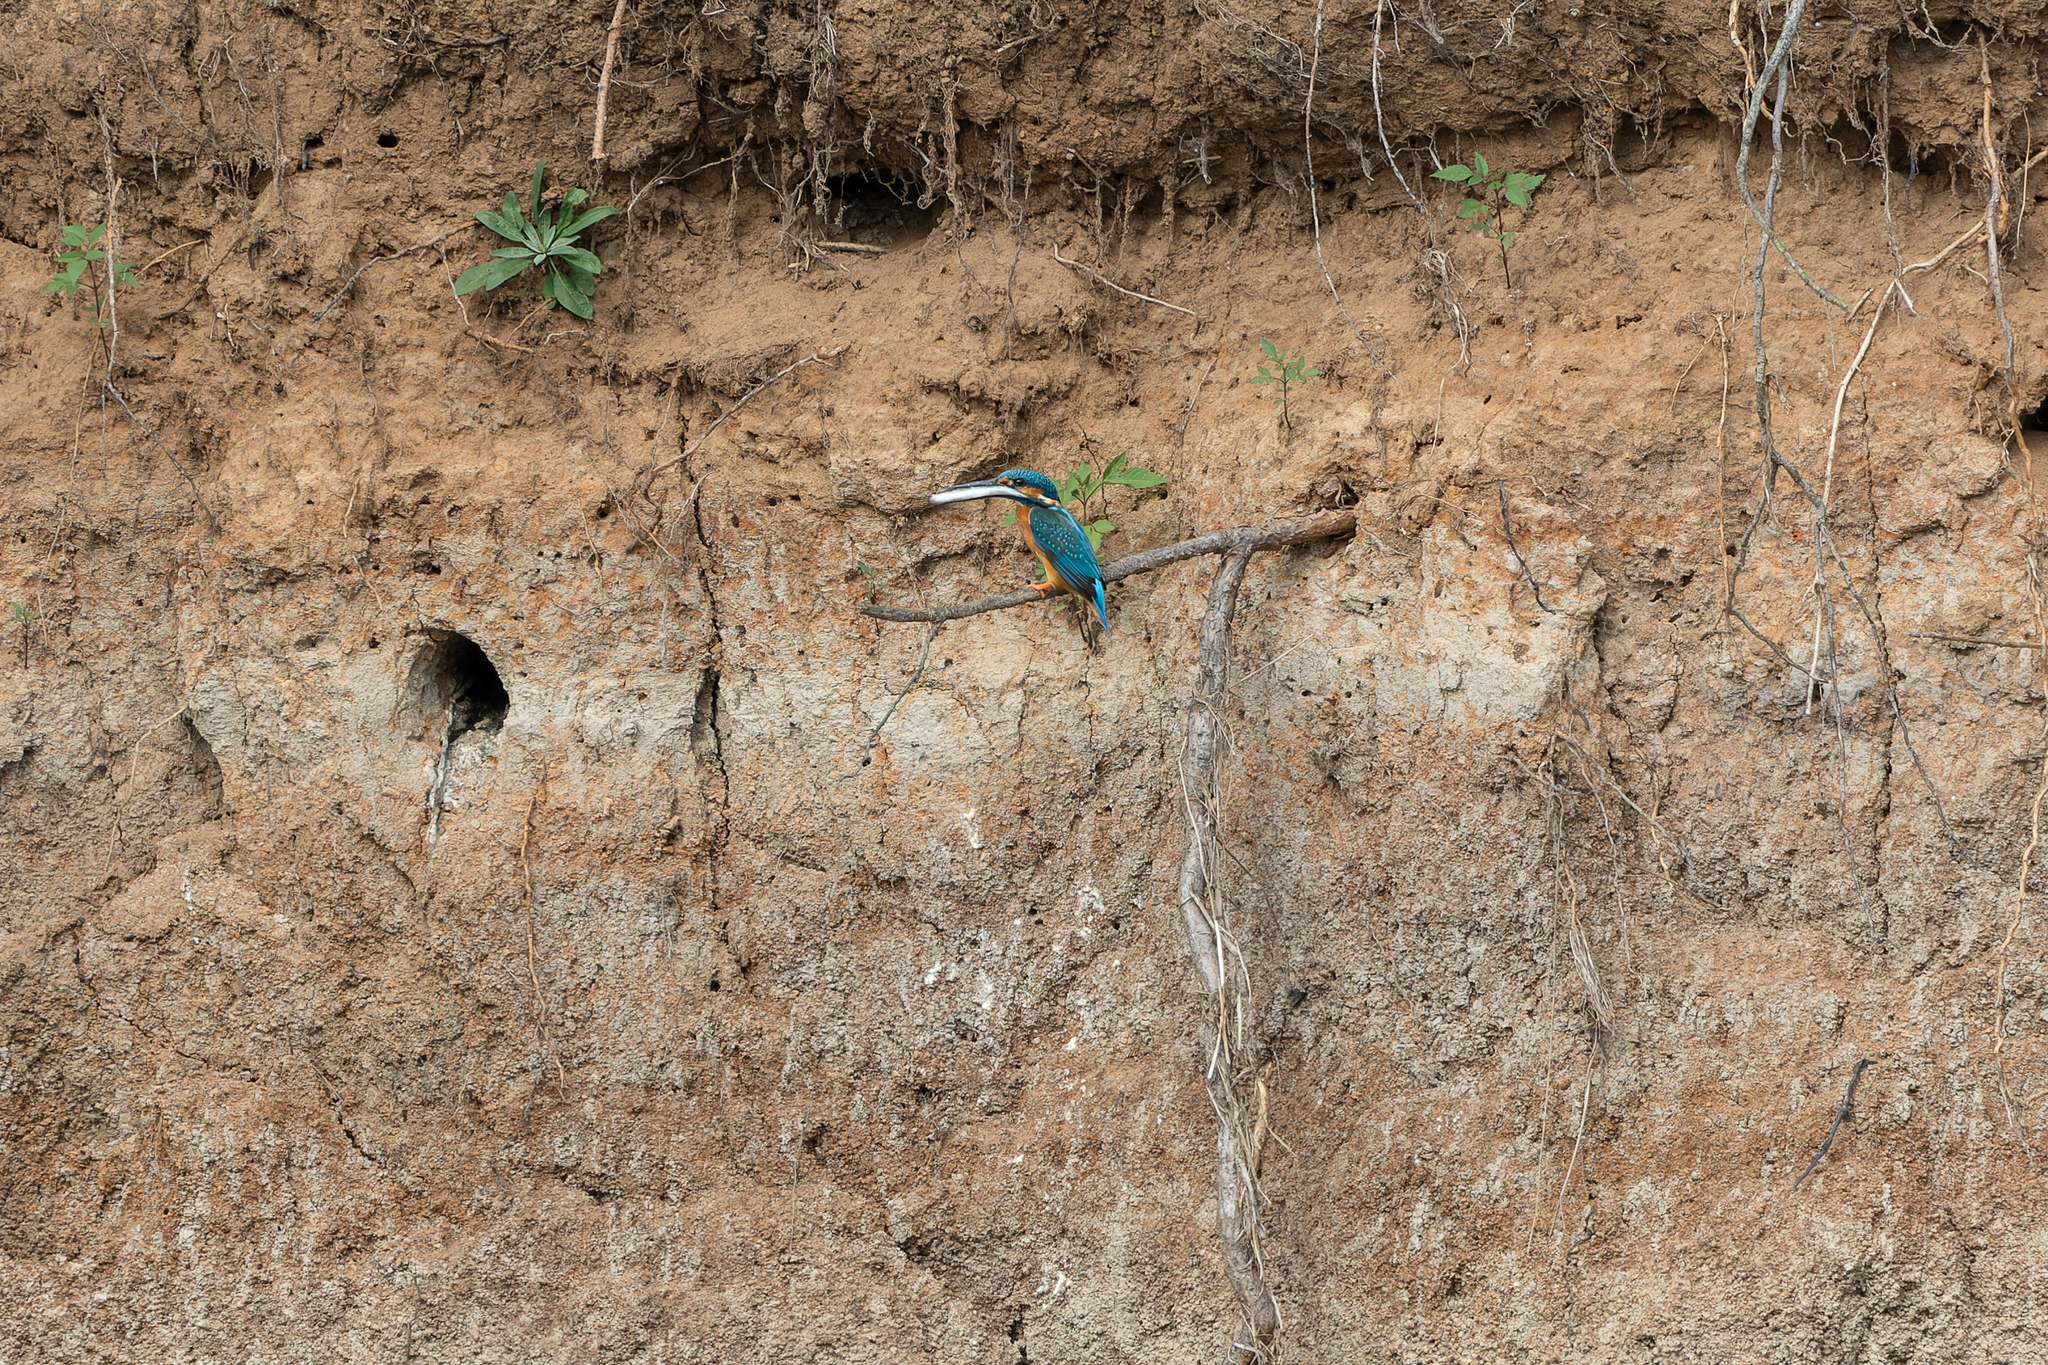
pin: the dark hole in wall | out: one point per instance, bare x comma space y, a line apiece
453, 684
2037, 419
387, 139
876, 210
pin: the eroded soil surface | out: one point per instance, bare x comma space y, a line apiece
474, 887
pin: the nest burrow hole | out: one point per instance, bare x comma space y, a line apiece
453, 688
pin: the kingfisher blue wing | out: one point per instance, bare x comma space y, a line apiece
1065, 548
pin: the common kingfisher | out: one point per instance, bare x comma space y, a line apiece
1050, 530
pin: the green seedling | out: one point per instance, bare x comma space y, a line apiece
75, 272
1084, 483
547, 243
1286, 371
23, 612
1489, 192
872, 585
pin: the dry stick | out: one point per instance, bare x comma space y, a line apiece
1828, 477
604, 82
197, 496
1237, 1204
1847, 1101
163, 256
1876, 634
1501, 485
1308, 157
540, 1029
2019, 895
1969, 234
1972, 640
1379, 118
1564, 1188
379, 260
1238, 539
1128, 293
897, 699
1993, 220
1756, 317
698, 444
1721, 471
1778, 66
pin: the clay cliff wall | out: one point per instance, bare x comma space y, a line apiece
754, 980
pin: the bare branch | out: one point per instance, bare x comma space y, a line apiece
1101, 280
604, 82
698, 444
1238, 539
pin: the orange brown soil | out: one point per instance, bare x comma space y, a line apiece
683, 1016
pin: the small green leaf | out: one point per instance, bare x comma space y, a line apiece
1507, 238
579, 304
540, 169
489, 275
499, 224
1469, 207
1272, 352
1261, 377
1519, 198
1479, 165
577, 256
1457, 175
1138, 478
1311, 373
1110, 471
1009, 517
582, 221
583, 280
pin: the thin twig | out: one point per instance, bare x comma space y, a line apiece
1564, 1188
1379, 117
1828, 478
1501, 485
666, 179
896, 699
1308, 157
860, 248
1972, 640
197, 496
1971, 232
1994, 215
540, 1029
1721, 470
2019, 895
1848, 1100
379, 260
604, 83
1112, 284
1766, 435
1238, 539
490, 340
1776, 66
698, 444
162, 256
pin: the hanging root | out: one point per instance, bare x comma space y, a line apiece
1223, 978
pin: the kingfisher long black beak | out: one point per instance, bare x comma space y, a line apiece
984, 488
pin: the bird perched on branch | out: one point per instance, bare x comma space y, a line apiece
1050, 531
